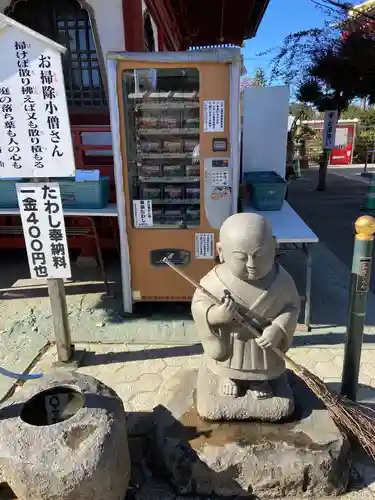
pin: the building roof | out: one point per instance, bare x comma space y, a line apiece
214, 22
362, 7
7, 22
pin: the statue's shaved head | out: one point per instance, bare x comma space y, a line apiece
250, 231
247, 246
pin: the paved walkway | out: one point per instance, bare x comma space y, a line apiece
353, 172
331, 214
166, 338
136, 373
26, 323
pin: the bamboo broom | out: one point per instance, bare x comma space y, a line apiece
355, 420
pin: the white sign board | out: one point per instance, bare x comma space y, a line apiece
204, 246
44, 230
142, 210
35, 135
329, 132
213, 116
341, 138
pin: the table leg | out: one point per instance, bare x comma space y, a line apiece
115, 234
307, 250
100, 256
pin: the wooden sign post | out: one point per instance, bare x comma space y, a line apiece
36, 144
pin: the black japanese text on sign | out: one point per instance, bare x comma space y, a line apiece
48, 80
35, 132
55, 230
28, 92
44, 230
364, 274
31, 207
7, 105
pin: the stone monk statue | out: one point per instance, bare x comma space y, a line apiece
241, 377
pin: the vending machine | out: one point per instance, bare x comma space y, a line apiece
176, 140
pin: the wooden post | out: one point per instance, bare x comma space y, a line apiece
133, 25
56, 292
59, 310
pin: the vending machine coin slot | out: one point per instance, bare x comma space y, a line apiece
177, 256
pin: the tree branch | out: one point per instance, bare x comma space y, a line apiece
346, 7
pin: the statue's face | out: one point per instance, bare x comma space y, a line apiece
247, 249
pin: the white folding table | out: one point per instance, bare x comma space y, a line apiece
287, 225
289, 228
108, 211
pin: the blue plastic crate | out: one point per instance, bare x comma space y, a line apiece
8, 193
84, 194
268, 195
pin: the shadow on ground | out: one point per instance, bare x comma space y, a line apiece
92, 358
330, 214
14, 268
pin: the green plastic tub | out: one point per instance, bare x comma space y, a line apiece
267, 195
8, 193
84, 194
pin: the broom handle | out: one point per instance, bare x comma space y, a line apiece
237, 316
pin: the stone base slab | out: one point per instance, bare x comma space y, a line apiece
306, 457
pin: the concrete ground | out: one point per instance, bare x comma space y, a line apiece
134, 355
136, 373
353, 172
331, 214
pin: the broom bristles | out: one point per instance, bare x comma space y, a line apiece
355, 420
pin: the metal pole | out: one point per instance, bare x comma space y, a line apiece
323, 167
307, 250
359, 287
366, 161
56, 292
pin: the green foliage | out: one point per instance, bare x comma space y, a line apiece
260, 79
309, 91
365, 141
366, 116
332, 66
301, 110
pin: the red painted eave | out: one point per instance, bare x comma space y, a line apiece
214, 22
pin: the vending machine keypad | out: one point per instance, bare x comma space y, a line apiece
218, 180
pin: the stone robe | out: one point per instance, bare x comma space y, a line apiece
230, 350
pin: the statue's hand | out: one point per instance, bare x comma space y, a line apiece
219, 315
271, 336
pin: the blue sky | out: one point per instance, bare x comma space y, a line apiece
281, 18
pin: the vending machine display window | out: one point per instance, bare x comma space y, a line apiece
161, 109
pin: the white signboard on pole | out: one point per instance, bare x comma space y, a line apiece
35, 134
329, 132
44, 230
